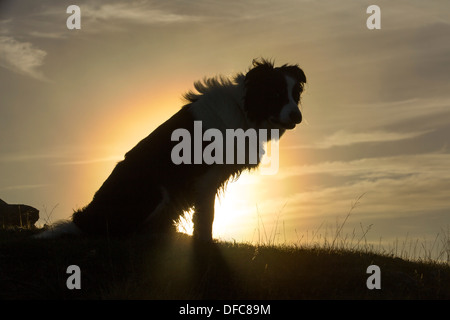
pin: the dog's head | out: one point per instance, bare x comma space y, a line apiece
272, 94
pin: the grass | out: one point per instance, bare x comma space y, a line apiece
176, 267
322, 264
325, 237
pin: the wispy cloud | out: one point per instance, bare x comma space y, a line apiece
121, 16
346, 138
22, 57
90, 161
395, 188
132, 12
64, 158
55, 35
23, 157
431, 165
24, 187
25, 58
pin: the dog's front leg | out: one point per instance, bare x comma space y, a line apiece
204, 216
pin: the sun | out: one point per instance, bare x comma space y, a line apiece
235, 208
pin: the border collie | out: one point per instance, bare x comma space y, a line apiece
147, 191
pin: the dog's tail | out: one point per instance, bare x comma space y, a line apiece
59, 229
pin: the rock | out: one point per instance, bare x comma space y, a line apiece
17, 215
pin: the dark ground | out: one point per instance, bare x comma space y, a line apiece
178, 268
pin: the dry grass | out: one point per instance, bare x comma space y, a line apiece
180, 268
325, 237
322, 264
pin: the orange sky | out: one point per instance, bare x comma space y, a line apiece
376, 106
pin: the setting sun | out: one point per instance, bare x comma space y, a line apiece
235, 216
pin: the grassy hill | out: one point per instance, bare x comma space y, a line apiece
143, 267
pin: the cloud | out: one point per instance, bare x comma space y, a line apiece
27, 157
133, 12
345, 138
48, 35
394, 187
24, 187
5, 158
386, 197
90, 161
429, 166
22, 57
114, 16
398, 192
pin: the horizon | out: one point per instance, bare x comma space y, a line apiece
376, 106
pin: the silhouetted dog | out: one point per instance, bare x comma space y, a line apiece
158, 179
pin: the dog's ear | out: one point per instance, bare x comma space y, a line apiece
294, 72
261, 68
255, 85
262, 62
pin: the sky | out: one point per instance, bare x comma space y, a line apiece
376, 107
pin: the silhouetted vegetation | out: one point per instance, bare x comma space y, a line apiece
145, 267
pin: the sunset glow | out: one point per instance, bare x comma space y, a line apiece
376, 107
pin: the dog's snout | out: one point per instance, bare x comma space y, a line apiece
295, 116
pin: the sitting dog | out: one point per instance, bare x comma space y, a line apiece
158, 180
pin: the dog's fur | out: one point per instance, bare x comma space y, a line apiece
148, 192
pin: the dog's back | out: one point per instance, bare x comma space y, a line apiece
140, 183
